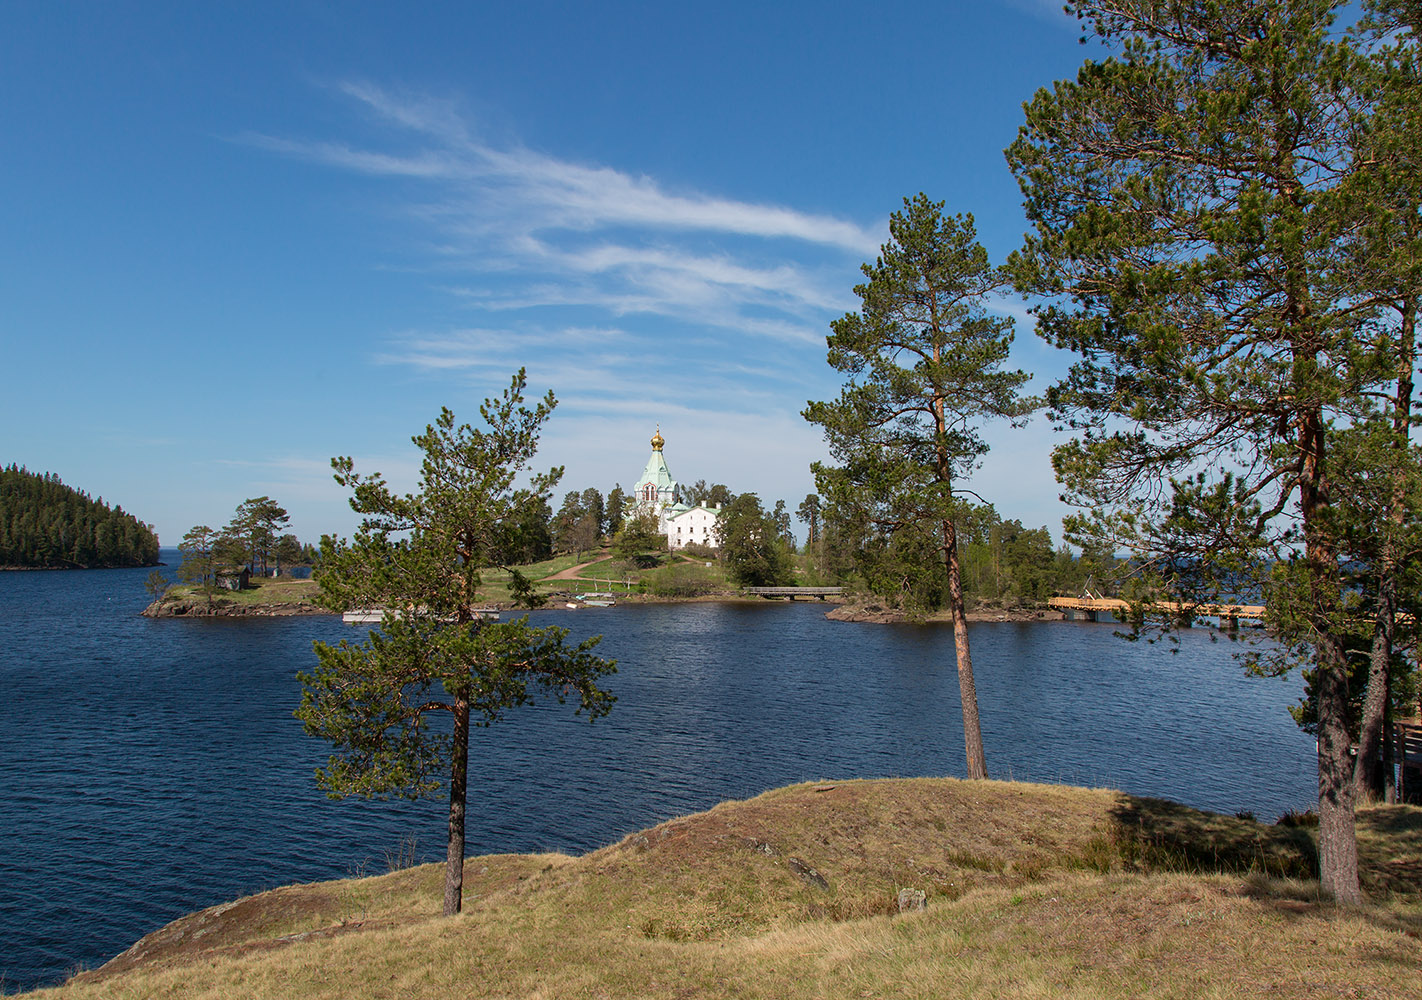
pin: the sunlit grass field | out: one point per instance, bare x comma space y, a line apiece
1029, 891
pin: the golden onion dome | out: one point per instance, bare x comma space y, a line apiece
657, 439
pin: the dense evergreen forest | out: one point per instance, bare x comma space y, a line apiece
47, 525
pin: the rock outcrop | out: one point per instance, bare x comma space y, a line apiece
187, 607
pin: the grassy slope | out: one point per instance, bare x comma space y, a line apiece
283, 591
1033, 891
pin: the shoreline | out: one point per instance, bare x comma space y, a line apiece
65, 569
197, 608
836, 609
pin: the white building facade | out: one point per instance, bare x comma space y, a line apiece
694, 525
656, 491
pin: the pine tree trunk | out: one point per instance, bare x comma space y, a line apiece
1367, 769
458, 787
1337, 835
967, 688
1368, 775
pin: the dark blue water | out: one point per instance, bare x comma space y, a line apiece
151, 768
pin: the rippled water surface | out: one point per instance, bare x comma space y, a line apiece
151, 768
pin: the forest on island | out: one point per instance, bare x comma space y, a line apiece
45, 524
1005, 564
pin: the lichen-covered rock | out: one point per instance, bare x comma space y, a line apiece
912, 900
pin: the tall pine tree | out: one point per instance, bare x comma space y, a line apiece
1188, 231
924, 362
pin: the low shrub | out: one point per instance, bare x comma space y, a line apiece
683, 580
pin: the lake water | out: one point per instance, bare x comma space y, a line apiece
151, 768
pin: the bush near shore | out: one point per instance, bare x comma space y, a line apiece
1028, 891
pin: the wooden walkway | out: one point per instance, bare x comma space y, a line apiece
1091, 607
1407, 753
794, 592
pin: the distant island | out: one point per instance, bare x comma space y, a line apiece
45, 524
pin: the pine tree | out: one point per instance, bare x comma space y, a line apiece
1189, 234
751, 546
924, 365
419, 557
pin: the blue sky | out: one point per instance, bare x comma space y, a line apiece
241, 239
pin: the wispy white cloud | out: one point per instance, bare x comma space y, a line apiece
635, 301
579, 196
333, 154
532, 231
550, 193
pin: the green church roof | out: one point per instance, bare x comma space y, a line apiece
658, 476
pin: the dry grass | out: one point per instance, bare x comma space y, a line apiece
280, 591
1033, 891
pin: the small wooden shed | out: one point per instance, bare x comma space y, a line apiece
234, 579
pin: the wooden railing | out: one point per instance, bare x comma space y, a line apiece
794, 592
1092, 606
1407, 752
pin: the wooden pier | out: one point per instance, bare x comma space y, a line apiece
792, 593
1091, 607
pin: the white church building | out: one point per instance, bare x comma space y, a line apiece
658, 492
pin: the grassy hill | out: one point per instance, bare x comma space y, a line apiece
1031, 891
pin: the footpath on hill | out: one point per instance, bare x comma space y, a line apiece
571, 573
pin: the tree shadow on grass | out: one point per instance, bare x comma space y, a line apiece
1390, 851
1157, 835
1280, 861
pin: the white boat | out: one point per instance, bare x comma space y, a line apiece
372, 616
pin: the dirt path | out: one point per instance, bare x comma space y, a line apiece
571, 573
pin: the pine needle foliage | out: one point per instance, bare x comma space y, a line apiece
925, 362
418, 557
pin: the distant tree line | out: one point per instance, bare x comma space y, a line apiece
1002, 563
45, 524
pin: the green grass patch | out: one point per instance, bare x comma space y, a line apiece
686, 579
269, 590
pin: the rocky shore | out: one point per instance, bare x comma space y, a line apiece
863, 612
223, 608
